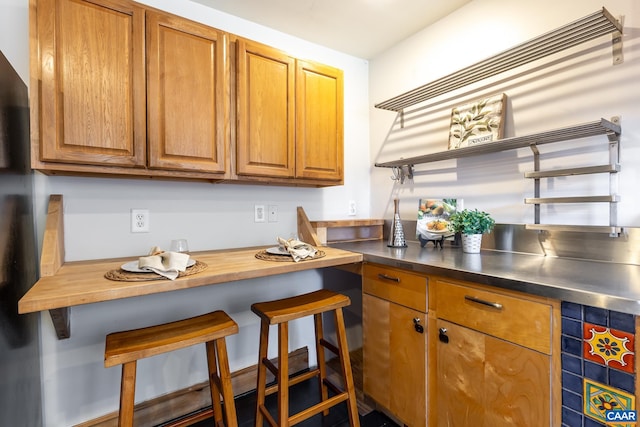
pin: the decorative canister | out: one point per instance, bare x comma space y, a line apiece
471, 243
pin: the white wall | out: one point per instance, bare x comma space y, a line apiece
76, 386
14, 35
551, 93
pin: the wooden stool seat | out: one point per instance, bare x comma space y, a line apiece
287, 309
280, 312
127, 347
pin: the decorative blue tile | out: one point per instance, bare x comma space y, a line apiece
572, 327
622, 380
569, 309
571, 418
571, 364
572, 345
572, 382
595, 372
622, 321
588, 422
599, 316
571, 400
576, 368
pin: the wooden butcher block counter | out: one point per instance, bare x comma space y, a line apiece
67, 284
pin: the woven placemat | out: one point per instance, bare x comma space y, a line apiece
263, 254
127, 276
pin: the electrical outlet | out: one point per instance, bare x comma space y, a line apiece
140, 221
352, 207
259, 214
273, 213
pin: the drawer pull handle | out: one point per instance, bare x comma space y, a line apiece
495, 305
391, 278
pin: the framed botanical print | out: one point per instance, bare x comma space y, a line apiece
477, 122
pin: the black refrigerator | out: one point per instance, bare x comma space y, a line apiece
20, 388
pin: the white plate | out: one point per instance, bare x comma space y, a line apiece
132, 266
277, 250
439, 232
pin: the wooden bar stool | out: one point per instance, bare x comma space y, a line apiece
125, 348
280, 312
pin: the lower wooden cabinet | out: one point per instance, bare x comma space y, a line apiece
395, 342
447, 353
485, 381
496, 358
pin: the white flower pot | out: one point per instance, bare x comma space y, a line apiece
471, 243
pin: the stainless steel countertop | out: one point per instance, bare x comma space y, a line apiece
607, 285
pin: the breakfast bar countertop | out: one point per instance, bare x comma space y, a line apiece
83, 282
611, 286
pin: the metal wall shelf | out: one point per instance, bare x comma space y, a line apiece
600, 127
613, 136
582, 30
575, 33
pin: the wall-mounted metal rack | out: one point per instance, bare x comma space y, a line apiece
582, 30
600, 127
612, 129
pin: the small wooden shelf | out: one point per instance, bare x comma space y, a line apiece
356, 230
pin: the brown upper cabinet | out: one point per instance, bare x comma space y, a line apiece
91, 83
187, 113
125, 89
289, 116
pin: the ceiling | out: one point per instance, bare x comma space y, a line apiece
362, 28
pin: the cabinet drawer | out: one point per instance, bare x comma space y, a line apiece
395, 285
519, 320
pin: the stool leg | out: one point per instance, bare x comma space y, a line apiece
225, 379
213, 383
283, 374
262, 372
354, 419
321, 359
127, 393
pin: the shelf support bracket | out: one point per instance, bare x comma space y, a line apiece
536, 182
616, 44
401, 119
400, 173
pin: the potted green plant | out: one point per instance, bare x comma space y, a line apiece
472, 224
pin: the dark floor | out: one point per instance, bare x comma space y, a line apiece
302, 396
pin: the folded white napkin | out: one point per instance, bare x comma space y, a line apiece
298, 249
167, 264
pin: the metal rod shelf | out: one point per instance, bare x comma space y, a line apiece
573, 171
582, 30
606, 229
600, 127
577, 199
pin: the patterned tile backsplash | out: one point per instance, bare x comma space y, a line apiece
598, 364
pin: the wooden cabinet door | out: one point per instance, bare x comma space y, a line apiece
187, 112
488, 382
265, 135
395, 359
376, 348
91, 65
319, 122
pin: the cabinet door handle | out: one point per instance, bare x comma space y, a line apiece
390, 278
495, 305
417, 326
442, 335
